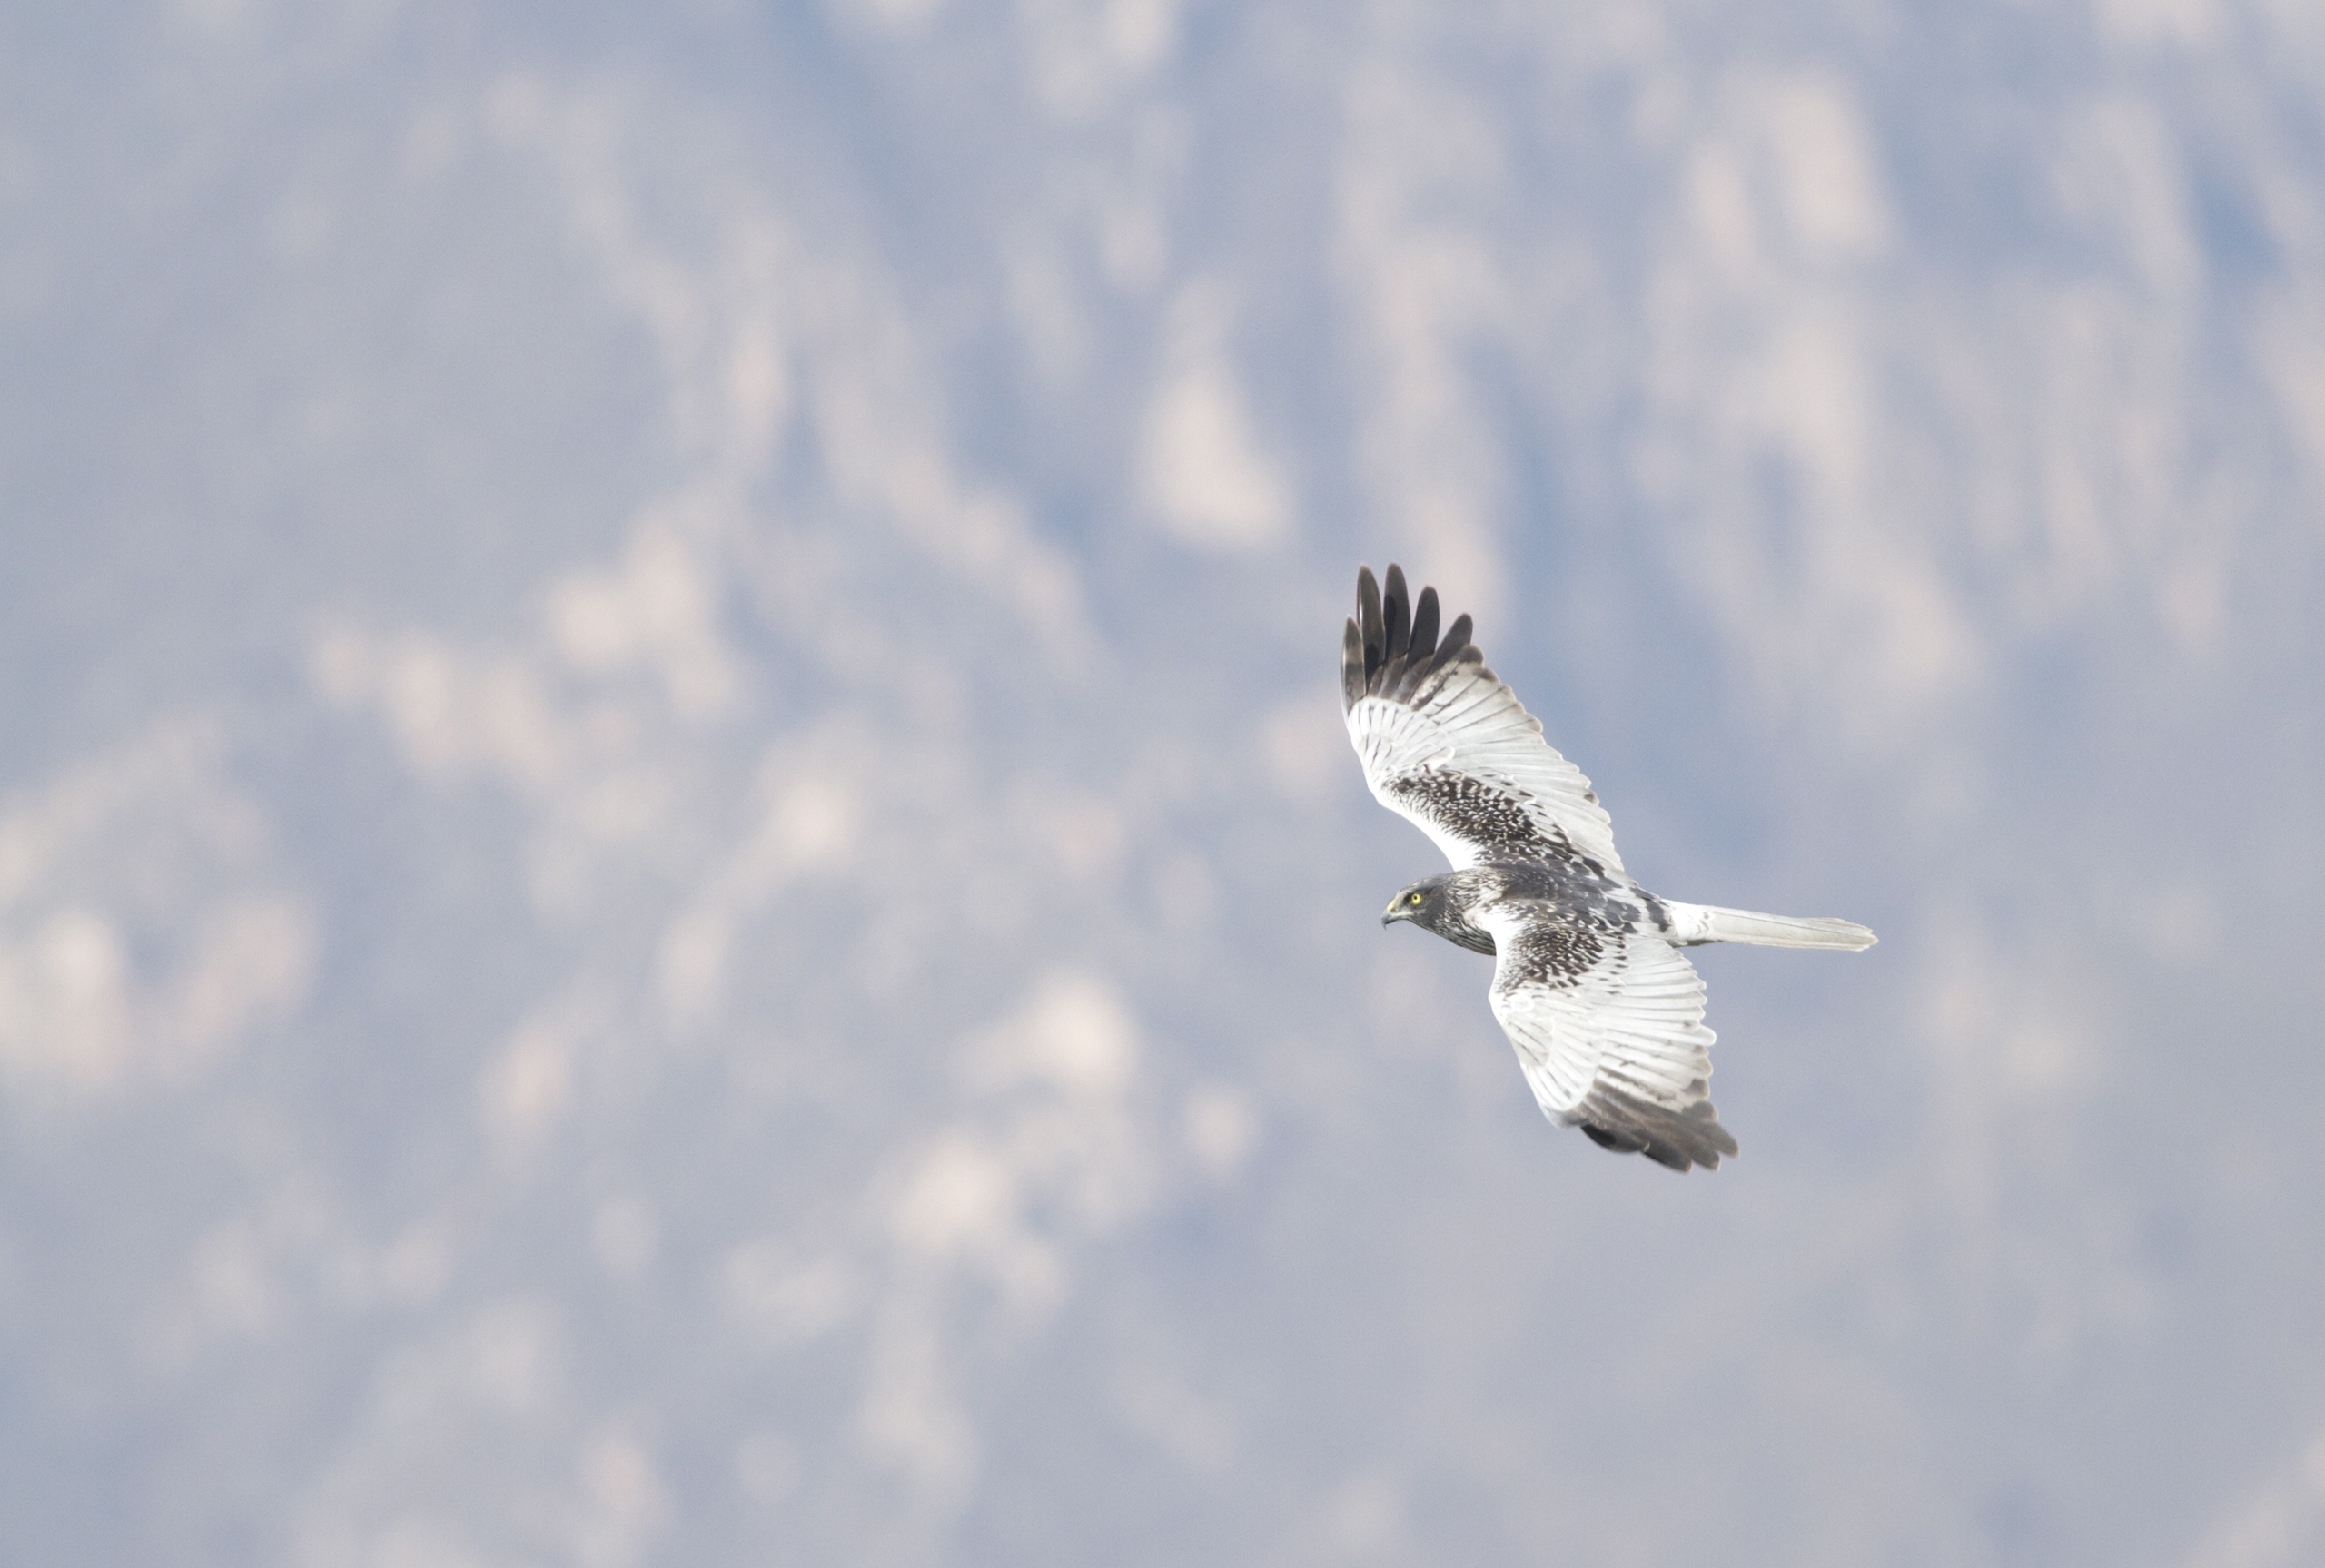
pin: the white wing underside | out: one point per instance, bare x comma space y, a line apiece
1633, 1022
1464, 724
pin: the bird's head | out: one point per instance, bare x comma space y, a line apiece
1421, 903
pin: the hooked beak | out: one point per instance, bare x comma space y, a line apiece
1394, 915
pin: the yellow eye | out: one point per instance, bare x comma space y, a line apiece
1415, 899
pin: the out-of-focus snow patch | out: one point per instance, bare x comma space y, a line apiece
1304, 748
2178, 925
1044, 303
766, 1465
1076, 1035
2178, 22
1821, 157
2279, 1523
2012, 1032
527, 1088
658, 608
1202, 469
410, 1270
589, 754
411, 1541
1197, 1431
292, 1258
1783, 174
624, 1500
1086, 832
455, 716
896, 18
1772, 441
1085, 54
1221, 1128
2029, 1255
2118, 173
1363, 1519
962, 1201
815, 792
511, 1358
762, 334
239, 1276
144, 929
419, 1467
970, 1236
551, 716
1420, 179
1048, 1154
780, 1299
912, 1420
624, 1233
2287, 339
219, 16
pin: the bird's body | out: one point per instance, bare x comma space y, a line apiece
1606, 1014
1572, 894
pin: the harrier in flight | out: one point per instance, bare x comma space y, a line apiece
1589, 982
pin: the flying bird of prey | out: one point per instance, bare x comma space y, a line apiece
1589, 982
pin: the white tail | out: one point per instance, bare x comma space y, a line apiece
1709, 922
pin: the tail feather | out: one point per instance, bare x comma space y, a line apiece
1709, 922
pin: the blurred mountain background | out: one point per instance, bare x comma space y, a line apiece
680, 885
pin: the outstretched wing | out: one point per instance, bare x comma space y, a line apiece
1446, 745
1610, 1028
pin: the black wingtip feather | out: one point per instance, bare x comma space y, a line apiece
1396, 638
1606, 1138
1396, 606
1351, 665
1368, 609
1424, 633
1678, 1139
1449, 651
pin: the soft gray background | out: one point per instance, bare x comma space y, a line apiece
678, 879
